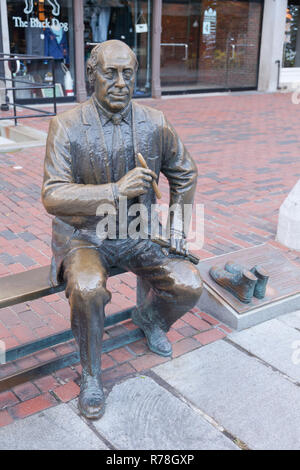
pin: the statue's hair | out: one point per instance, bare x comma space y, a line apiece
94, 57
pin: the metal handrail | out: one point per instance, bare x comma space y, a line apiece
278, 63
178, 44
5, 57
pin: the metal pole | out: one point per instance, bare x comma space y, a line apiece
156, 40
135, 40
136, 7
54, 85
14, 99
81, 94
278, 74
5, 41
147, 85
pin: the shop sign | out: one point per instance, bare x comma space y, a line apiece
36, 23
32, 22
209, 22
53, 3
209, 30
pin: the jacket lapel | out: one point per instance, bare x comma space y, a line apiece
141, 143
95, 142
138, 132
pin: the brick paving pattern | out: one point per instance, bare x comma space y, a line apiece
247, 150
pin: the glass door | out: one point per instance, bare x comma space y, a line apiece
180, 44
210, 44
230, 59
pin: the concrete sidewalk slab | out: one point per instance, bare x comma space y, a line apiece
140, 414
251, 401
291, 319
272, 342
57, 428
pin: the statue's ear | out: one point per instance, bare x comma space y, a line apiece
90, 74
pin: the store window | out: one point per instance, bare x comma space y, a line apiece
43, 28
291, 51
210, 44
128, 21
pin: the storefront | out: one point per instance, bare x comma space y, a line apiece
290, 72
210, 44
42, 28
182, 46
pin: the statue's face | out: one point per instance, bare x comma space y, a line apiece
114, 78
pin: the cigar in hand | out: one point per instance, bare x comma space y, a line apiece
143, 164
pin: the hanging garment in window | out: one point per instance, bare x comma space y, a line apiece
34, 41
121, 25
55, 49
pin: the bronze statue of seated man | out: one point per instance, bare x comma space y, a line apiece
91, 160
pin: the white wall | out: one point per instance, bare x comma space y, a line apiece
272, 41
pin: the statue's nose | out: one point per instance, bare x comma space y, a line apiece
120, 80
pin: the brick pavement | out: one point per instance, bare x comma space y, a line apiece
246, 147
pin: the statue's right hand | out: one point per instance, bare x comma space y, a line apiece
135, 182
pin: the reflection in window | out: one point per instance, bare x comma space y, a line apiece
210, 44
128, 21
42, 28
291, 52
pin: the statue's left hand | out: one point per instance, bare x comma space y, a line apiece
178, 244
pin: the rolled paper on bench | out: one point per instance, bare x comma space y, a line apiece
154, 184
166, 244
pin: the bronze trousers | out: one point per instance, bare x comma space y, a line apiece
174, 287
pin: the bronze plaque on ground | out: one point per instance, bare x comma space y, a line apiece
284, 275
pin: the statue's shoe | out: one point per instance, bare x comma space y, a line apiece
91, 402
156, 338
241, 285
258, 271
262, 281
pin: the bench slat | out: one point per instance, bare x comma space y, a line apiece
31, 285
25, 286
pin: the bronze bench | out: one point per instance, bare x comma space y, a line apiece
34, 284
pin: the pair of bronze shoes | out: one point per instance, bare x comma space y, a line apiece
241, 282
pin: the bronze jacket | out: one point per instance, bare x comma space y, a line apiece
77, 176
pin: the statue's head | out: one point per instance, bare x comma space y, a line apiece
111, 68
